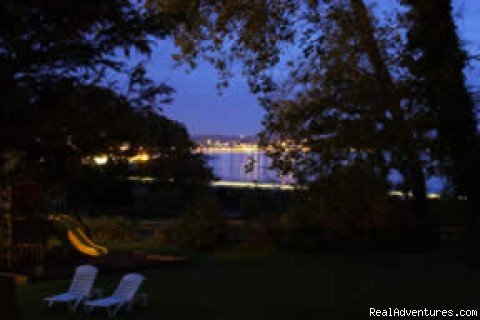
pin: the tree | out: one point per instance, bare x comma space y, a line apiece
403, 129
342, 102
57, 105
54, 41
175, 163
348, 110
79, 39
436, 62
222, 31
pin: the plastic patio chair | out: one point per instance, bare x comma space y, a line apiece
123, 296
79, 289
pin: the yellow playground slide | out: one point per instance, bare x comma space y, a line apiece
76, 236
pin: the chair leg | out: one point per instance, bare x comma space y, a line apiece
87, 309
75, 305
144, 299
117, 308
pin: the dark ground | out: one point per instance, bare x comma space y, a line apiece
286, 286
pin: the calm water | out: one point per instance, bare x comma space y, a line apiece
231, 166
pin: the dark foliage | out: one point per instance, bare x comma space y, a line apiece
437, 61
57, 104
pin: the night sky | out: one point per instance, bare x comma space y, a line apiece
199, 106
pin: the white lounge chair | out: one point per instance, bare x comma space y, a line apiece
122, 297
79, 289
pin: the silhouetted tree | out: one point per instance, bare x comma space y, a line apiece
57, 104
48, 49
436, 61
343, 99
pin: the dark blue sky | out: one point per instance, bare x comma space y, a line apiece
199, 106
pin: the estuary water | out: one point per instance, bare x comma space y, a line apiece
230, 166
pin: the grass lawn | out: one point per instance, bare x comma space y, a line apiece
285, 286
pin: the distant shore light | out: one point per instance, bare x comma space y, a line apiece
140, 157
125, 146
100, 160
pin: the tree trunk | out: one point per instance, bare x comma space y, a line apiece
403, 130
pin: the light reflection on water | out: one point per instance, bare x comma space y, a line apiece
230, 166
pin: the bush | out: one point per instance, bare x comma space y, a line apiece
345, 203
257, 203
110, 228
202, 228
